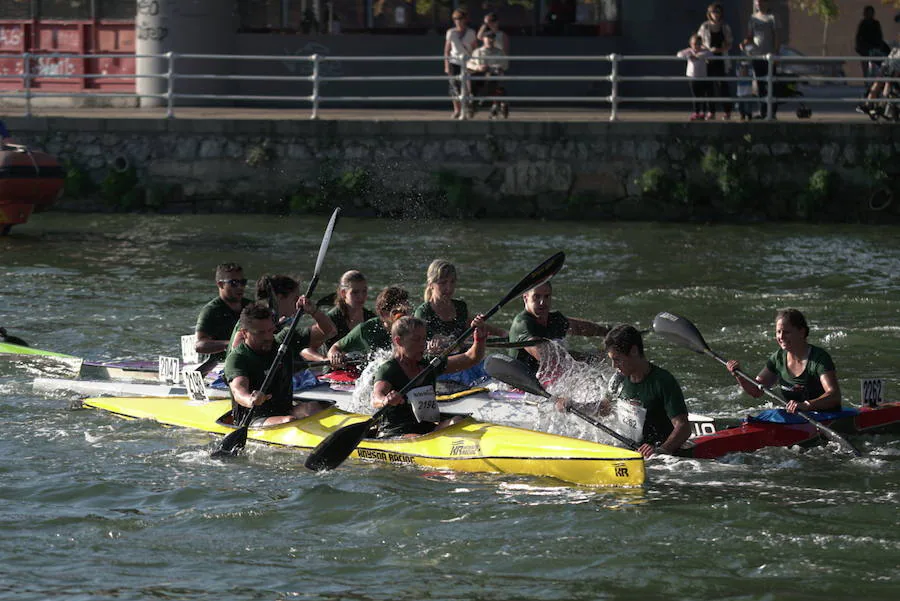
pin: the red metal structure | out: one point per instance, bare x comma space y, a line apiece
47, 36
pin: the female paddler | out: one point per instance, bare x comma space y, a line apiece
348, 311
445, 317
804, 373
416, 412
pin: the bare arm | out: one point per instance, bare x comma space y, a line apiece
207, 345
474, 354
828, 400
680, 433
240, 391
383, 394
583, 327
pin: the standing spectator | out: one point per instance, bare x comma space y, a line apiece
491, 23
4, 134
696, 56
716, 35
487, 63
870, 42
745, 89
762, 39
458, 46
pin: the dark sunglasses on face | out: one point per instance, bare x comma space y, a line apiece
234, 282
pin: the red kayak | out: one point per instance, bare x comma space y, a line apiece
776, 428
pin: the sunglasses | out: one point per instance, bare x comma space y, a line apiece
234, 282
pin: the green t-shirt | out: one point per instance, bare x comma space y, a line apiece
217, 320
340, 322
366, 337
244, 361
435, 326
526, 327
806, 386
660, 394
400, 419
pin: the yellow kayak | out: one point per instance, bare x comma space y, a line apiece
468, 446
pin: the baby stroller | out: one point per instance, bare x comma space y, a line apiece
486, 85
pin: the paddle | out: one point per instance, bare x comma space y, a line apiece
679, 330
11, 339
327, 300
505, 343
332, 451
235, 441
517, 374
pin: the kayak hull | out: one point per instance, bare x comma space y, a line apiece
468, 446
751, 436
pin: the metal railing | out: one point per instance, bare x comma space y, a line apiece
167, 80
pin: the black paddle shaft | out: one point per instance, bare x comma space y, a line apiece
517, 374
232, 443
679, 330
338, 445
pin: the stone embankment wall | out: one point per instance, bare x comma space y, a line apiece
595, 170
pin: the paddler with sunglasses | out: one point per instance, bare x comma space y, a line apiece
375, 333
248, 363
219, 316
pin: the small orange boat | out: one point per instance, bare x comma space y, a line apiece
30, 182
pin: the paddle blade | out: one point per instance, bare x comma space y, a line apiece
679, 330
232, 444
332, 451
538, 276
515, 373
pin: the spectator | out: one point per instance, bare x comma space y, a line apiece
486, 64
716, 35
459, 43
696, 55
4, 134
870, 42
745, 89
492, 24
761, 40
881, 87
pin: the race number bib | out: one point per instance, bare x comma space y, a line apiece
631, 416
196, 387
871, 391
188, 354
168, 369
424, 404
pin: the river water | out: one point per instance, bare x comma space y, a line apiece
95, 507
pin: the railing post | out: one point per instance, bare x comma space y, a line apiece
170, 86
464, 98
315, 87
26, 75
770, 87
614, 87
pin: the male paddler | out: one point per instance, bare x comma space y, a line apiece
658, 393
537, 321
219, 316
247, 364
